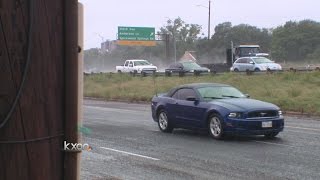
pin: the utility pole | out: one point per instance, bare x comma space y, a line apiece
39, 100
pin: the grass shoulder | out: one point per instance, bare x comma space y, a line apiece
297, 92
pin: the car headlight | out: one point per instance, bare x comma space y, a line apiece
235, 115
192, 71
208, 70
280, 113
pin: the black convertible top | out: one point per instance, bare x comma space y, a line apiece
195, 85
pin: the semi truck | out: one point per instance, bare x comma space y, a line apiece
239, 51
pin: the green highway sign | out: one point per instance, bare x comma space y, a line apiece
136, 33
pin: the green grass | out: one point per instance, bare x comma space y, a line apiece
298, 92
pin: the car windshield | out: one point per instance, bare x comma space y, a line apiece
191, 65
219, 92
141, 63
262, 60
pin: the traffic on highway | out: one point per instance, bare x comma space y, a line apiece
201, 90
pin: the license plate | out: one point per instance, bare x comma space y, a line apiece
267, 124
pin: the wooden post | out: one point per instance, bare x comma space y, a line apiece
71, 160
48, 108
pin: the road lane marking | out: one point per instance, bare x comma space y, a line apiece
129, 153
304, 132
277, 144
303, 128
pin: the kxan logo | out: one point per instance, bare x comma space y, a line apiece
76, 146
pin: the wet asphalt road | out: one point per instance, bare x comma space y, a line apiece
127, 144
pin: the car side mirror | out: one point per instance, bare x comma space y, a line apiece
251, 62
191, 98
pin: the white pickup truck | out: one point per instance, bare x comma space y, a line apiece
136, 66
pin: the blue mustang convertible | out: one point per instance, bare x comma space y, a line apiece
219, 108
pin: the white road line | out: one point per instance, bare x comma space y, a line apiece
129, 153
275, 144
305, 132
303, 128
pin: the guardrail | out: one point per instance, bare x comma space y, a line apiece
182, 74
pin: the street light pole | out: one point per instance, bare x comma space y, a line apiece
174, 42
175, 48
209, 16
209, 19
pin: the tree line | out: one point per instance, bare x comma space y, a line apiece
291, 42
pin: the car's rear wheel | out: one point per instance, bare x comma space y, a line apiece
236, 70
196, 73
256, 69
271, 135
163, 122
181, 74
215, 126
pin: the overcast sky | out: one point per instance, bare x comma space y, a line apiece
102, 17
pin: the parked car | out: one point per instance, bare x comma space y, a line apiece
186, 67
255, 64
219, 108
137, 66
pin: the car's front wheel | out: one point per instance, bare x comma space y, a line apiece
163, 122
271, 135
215, 126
